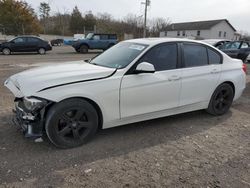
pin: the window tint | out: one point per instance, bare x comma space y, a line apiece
33, 39
163, 57
244, 45
96, 37
232, 45
19, 40
195, 55
104, 37
112, 37
214, 57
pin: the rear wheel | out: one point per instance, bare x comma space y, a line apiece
84, 49
6, 51
42, 51
71, 123
221, 100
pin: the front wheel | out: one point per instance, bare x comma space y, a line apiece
84, 49
71, 123
42, 51
221, 100
6, 51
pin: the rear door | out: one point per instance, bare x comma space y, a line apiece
200, 73
33, 44
104, 41
95, 42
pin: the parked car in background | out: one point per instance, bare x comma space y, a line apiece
95, 41
25, 44
248, 59
56, 42
215, 42
237, 49
136, 80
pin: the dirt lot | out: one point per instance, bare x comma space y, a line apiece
188, 150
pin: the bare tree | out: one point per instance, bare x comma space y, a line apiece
157, 25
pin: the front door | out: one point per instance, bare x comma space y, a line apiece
19, 45
152, 92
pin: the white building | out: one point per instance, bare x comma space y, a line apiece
212, 29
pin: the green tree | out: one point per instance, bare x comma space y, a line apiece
44, 10
17, 17
76, 21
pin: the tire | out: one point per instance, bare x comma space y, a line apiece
221, 100
6, 51
71, 123
84, 49
42, 51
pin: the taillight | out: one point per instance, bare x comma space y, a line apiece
244, 67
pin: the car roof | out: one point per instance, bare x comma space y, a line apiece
155, 41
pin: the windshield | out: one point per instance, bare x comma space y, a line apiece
120, 55
89, 36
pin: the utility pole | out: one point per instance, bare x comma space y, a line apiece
147, 3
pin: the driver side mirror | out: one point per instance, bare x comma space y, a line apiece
144, 67
87, 60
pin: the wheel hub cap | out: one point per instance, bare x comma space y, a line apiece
74, 125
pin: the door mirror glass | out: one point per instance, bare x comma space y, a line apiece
145, 67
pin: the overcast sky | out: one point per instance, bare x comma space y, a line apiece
236, 11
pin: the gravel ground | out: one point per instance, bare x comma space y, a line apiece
188, 150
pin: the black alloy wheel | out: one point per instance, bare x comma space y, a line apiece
71, 123
221, 100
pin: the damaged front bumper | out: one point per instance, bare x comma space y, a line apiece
31, 122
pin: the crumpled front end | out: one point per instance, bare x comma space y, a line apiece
29, 111
29, 115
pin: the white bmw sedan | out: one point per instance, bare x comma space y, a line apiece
133, 81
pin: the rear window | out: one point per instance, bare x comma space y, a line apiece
33, 40
214, 57
195, 55
114, 37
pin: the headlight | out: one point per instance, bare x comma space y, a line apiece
33, 104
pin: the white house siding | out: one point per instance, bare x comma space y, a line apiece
223, 27
212, 33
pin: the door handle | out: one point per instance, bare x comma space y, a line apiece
174, 78
213, 71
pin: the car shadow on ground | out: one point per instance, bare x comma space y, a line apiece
24, 154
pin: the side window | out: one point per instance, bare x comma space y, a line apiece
233, 45
195, 55
96, 37
19, 40
244, 45
163, 57
214, 57
33, 40
104, 37
114, 37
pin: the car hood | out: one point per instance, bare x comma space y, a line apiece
29, 82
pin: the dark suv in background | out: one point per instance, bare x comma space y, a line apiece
25, 44
95, 41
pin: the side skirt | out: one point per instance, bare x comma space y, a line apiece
158, 114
